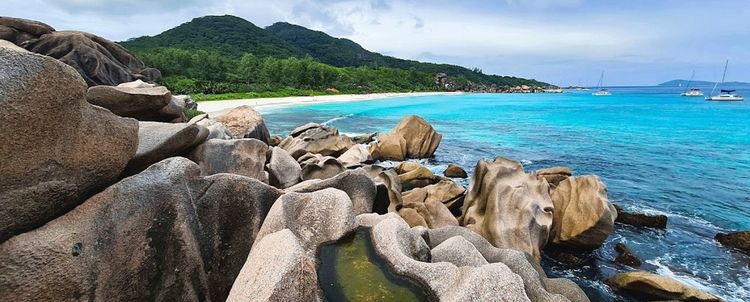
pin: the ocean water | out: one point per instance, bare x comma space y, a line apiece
656, 151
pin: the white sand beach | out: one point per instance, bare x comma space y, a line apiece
215, 108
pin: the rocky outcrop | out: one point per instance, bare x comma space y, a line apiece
455, 171
355, 183
447, 192
583, 215
640, 219
413, 137
510, 208
364, 138
245, 122
283, 170
737, 240
357, 155
316, 139
413, 175
554, 175
388, 198
164, 234
245, 157
432, 214
98, 60
143, 103
625, 256
316, 166
215, 129
57, 149
158, 141
655, 287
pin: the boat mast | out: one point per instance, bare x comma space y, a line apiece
689, 81
722, 77
601, 79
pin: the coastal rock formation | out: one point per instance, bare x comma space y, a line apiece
583, 215
625, 256
510, 208
388, 198
459, 251
413, 175
245, 122
158, 141
655, 287
98, 60
164, 234
554, 175
455, 171
447, 192
355, 183
142, 103
245, 157
317, 139
737, 240
215, 129
640, 219
283, 170
364, 138
433, 213
316, 166
413, 137
57, 149
355, 156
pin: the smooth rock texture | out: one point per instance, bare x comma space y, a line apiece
655, 287
447, 192
141, 103
640, 219
164, 234
245, 122
737, 240
554, 175
434, 213
459, 251
413, 175
316, 139
355, 183
583, 215
413, 137
388, 198
283, 170
245, 157
455, 171
355, 156
316, 166
508, 207
57, 149
157, 141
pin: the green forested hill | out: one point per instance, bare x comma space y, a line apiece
221, 54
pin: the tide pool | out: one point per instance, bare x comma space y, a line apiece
656, 151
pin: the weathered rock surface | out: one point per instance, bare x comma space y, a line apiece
57, 149
554, 175
31, 27
157, 141
316, 139
245, 122
583, 215
640, 219
355, 183
413, 175
413, 137
164, 234
316, 166
283, 170
447, 192
737, 240
142, 103
364, 138
455, 171
434, 213
388, 198
355, 156
625, 256
655, 287
459, 251
215, 129
510, 208
245, 157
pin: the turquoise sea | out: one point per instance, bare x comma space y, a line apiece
656, 151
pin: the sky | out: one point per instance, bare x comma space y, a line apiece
635, 42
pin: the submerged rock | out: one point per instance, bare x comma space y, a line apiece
640, 219
245, 122
655, 287
583, 215
413, 137
737, 240
57, 149
508, 207
317, 139
625, 256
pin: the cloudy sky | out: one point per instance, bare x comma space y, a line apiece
637, 42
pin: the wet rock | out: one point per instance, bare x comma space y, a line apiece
583, 216
447, 192
141, 103
355, 183
245, 157
169, 232
625, 256
510, 208
554, 175
316, 166
316, 139
655, 287
455, 171
413, 137
57, 149
737, 240
640, 219
245, 122
157, 141
283, 170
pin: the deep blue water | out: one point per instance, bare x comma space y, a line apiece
656, 151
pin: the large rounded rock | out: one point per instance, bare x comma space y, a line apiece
57, 149
164, 234
655, 287
583, 215
433, 212
737, 240
245, 122
508, 207
17, 30
355, 183
657, 221
316, 166
459, 251
283, 170
355, 156
142, 103
413, 175
316, 139
157, 141
98, 60
245, 157
447, 192
413, 137
454, 171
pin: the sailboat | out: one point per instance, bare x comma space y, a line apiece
599, 90
725, 95
692, 92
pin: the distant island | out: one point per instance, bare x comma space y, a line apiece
682, 83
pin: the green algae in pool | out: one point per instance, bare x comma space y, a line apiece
350, 270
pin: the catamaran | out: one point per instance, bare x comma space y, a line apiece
599, 90
725, 95
693, 91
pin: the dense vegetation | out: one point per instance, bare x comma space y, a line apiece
226, 54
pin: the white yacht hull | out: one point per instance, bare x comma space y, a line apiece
725, 98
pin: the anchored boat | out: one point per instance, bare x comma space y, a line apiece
599, 90
725, 95
692, 92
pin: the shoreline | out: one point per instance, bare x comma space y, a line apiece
215, 108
